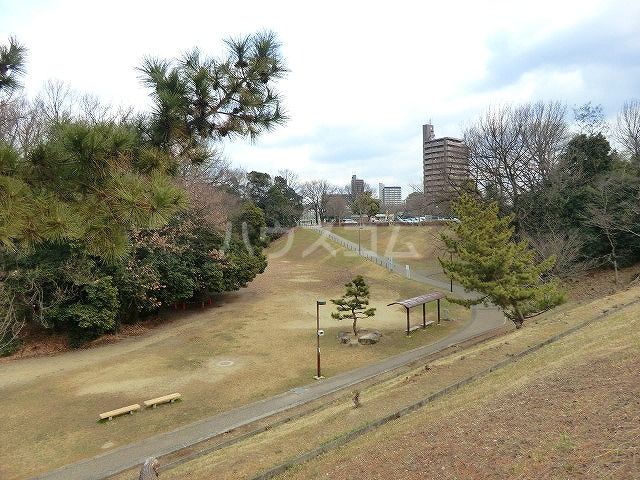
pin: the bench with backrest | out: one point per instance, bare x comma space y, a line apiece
154, 402
119, 411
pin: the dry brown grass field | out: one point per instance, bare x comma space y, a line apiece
464, 434
417, 245
570, 410
50, 404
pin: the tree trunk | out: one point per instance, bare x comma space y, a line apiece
518, 318
355, 326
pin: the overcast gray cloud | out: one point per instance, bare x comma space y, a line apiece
364, 75
605, 49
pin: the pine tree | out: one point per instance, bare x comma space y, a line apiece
354, 303
82, 185
486, 259
198, 99
12, 60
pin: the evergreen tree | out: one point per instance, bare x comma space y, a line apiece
72, 202
198, 100
354, 304
365, 204
12, 60
82, 185
487, 260
283, 206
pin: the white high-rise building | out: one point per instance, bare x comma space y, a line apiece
389, 196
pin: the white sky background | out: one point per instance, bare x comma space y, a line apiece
364, 75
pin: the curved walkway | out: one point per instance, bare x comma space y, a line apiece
123, 458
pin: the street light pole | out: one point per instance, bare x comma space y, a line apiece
451, 279
319, 333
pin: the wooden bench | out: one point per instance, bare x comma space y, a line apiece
430, 322
172, 397
120, 411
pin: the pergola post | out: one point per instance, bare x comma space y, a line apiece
408, 324
420, 300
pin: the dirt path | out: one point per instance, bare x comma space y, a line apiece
572, 410
20, 371
134, 454
254, 346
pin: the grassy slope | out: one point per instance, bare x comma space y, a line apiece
570, 410
50, 404
475, 405
416, 246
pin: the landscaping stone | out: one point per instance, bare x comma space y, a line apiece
344, 337
369, 338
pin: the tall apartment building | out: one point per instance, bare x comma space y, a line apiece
446, 167
357, 186
389, 196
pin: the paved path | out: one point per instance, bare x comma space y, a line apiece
389, 264
483, 320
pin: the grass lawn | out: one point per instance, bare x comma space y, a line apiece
267, 331
546, 377
417, 246
570, 410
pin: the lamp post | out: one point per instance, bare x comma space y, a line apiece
319, 333
451, 279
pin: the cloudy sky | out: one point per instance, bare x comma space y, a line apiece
364, 75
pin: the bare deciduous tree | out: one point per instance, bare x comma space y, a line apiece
544, 133
314, 194
58, 101
613, 210
337, 206
590, 119
628, 129
22, 122
565, 246
513, 149
11, 324
291, 177
213, 188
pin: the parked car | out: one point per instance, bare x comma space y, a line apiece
349, 221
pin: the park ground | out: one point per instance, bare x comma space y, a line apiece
267, 330
418, 246
249, 345
568, 410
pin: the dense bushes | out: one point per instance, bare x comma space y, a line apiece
186, 260
572, 195
65, 289
110, 217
